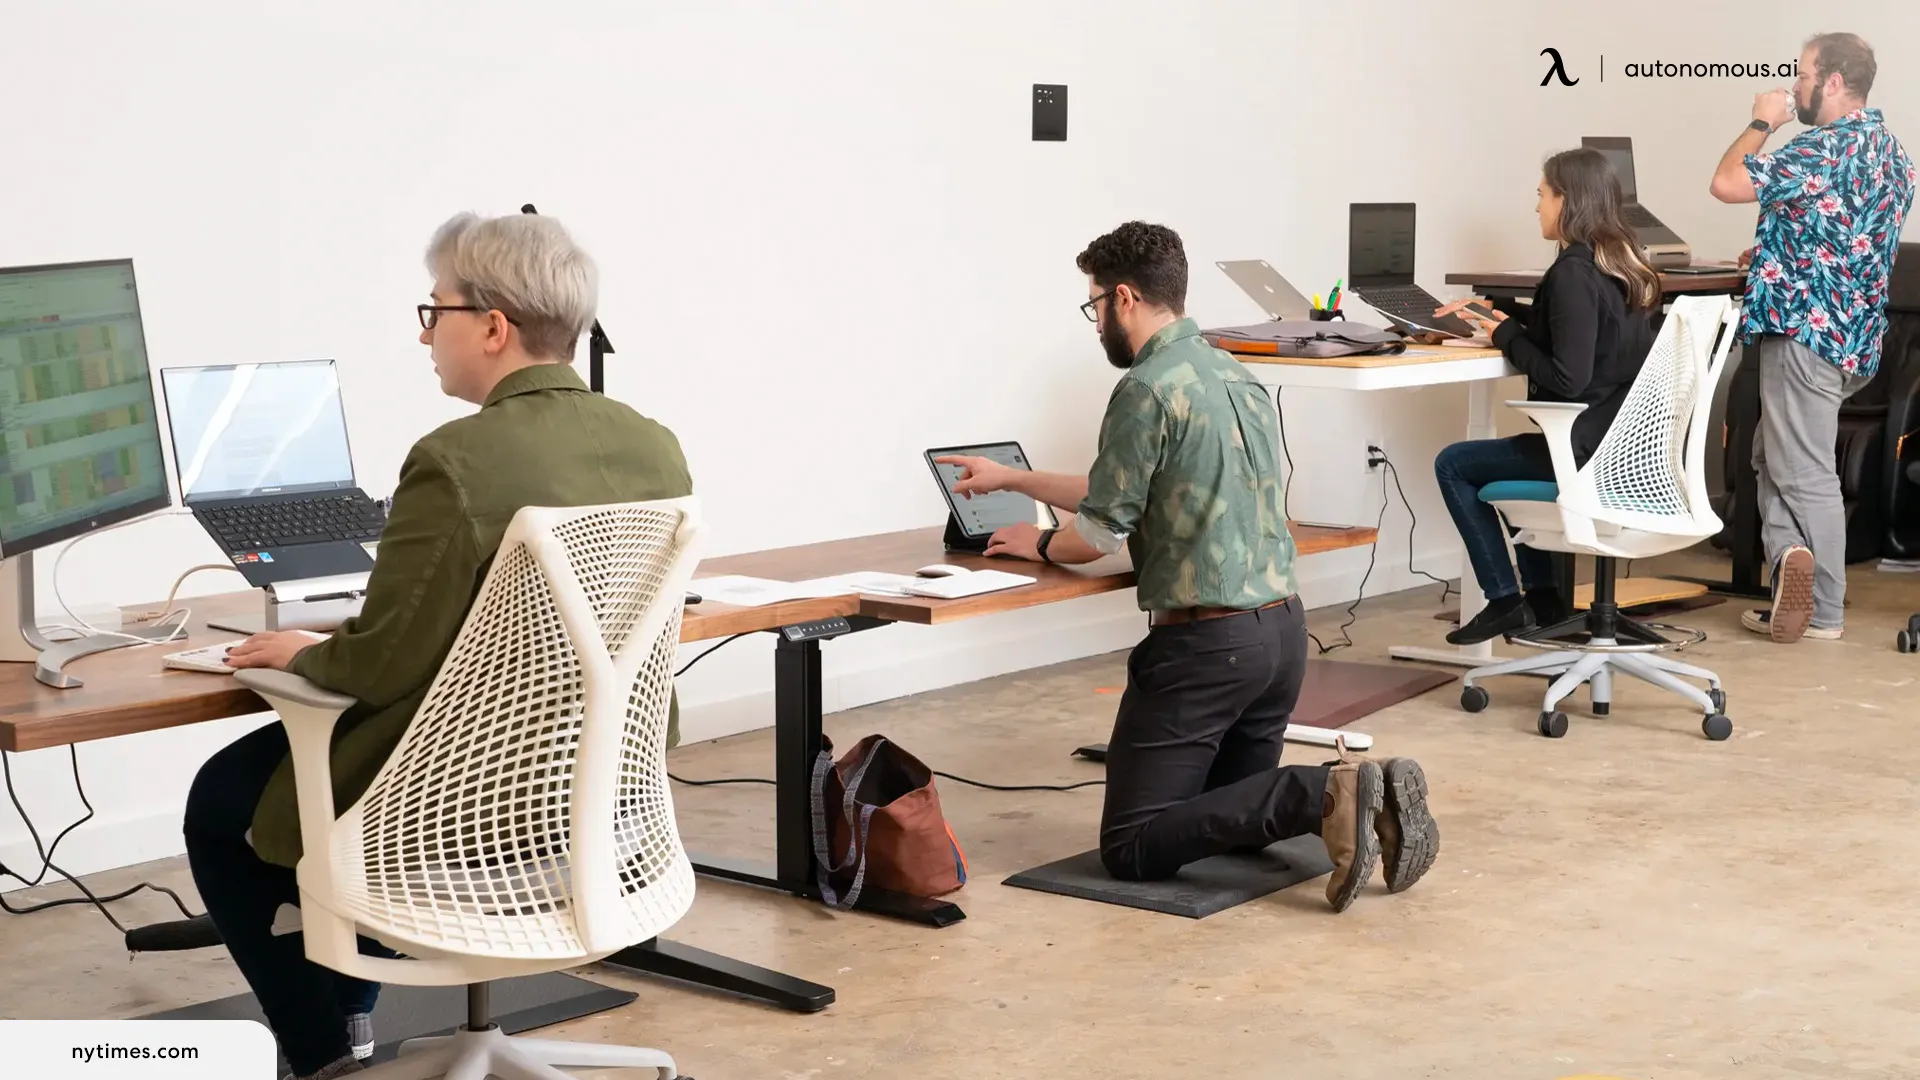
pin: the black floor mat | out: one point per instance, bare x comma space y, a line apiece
1199, 890
409, 1012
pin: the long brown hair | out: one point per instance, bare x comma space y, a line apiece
1590, 215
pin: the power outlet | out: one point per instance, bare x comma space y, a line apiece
1049, 112
1375, 454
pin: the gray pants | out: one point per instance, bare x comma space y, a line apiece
1793, 457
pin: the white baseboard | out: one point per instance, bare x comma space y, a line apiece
914, 660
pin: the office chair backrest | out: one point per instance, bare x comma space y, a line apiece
1649, 471
526, 812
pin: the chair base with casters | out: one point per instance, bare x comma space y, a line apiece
1590, 649
480, 1049
1908, 640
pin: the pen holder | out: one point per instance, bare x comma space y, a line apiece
1323, 315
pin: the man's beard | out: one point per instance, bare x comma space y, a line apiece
1809, 114
1114, 340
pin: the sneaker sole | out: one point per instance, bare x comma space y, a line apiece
1793, 607
1406, 800
1370, 798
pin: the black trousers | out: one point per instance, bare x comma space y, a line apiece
306, 1005
1193, 765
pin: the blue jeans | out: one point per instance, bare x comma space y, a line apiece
305, 1004
1463, 469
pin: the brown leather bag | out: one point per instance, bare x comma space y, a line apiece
877, 821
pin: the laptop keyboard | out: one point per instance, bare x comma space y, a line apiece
1639, 217
284, 523
1402, 298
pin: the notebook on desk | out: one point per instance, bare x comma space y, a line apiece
956, 583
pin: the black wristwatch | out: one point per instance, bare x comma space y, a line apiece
1046, 537
1761, 126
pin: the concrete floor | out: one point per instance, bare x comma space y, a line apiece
1631, 900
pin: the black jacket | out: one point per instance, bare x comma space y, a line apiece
1577, 342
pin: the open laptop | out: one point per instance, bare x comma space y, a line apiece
1265, 287
1380, 269
263, 462
1664, 249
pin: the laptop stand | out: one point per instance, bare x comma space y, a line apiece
319, 604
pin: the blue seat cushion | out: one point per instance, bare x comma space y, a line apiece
1520, 491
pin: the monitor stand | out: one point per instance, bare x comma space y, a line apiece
23, 642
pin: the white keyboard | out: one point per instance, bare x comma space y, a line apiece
212, 658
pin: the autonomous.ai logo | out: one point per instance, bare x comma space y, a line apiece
1558, 70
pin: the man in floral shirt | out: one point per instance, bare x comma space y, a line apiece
1832, 202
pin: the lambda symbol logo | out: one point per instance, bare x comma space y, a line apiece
1558, 70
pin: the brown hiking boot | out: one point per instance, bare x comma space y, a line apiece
1409, 837
1354, 798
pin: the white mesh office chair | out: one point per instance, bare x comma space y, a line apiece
524, 823
1642, 493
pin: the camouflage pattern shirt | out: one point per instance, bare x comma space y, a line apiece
1187, 479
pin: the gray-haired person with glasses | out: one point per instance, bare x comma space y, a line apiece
511, 298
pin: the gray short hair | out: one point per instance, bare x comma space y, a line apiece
529, 268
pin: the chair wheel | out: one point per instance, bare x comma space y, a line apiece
1907, 641
1474, 698
1553, 724
1717, 727
1719, 699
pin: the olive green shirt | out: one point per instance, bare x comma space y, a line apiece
1188, 475
541, 439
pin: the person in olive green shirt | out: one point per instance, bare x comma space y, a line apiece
511, 298
1186, 479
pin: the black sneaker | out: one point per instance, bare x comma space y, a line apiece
1507, 615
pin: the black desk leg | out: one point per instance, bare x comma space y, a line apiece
685, 963
797, 738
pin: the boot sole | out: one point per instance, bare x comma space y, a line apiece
1406, 800
1793, 610
1369, 798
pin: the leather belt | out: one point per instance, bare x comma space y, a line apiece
1175, 616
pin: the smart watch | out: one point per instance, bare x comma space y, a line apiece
1046, 537
1761, 126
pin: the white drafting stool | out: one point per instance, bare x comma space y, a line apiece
1420, 365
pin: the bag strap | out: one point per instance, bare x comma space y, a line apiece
824, 863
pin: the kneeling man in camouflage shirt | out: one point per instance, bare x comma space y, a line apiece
1186, 479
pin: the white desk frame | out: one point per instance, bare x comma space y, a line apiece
1481, 370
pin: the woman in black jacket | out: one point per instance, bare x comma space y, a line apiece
1587, 333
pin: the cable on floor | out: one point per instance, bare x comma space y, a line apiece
46, 854
936, 772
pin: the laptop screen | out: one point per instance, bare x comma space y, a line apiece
1619, 154
1379, 244
257, 429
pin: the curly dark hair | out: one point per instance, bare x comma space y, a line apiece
1150, 258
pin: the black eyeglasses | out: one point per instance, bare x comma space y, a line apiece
430, 313
1089, 308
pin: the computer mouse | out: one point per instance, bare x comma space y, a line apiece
937, 570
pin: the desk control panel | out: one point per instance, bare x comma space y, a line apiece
817, 630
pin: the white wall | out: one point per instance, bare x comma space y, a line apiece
826, 239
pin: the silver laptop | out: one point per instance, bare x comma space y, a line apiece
1662, 246
1265, 287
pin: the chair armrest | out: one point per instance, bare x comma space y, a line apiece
286, 686
308, 713
1556, 423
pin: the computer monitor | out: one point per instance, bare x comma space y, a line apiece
1379, 244
80, 443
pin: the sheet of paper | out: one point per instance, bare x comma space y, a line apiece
741, 591
872, 582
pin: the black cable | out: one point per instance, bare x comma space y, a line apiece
46, 854
936, 772
1373, 553
1446, 587
707, 650
1286, 482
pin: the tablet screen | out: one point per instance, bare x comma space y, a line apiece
981, 515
